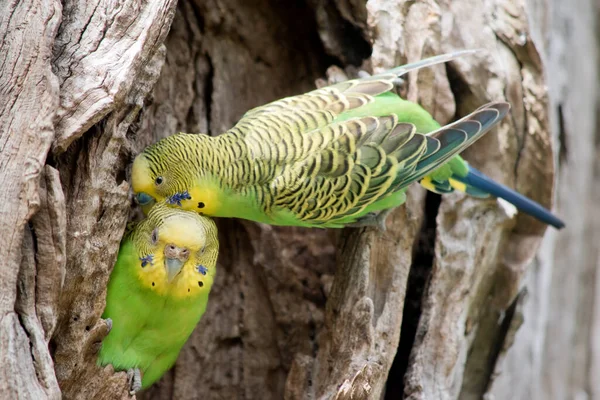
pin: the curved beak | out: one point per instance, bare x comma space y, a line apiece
175, 258
145, 201
173, 267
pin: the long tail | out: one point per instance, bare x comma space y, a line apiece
478, 180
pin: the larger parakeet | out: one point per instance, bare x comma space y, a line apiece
158, 290
341, 155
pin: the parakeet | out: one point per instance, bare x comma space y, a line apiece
158, 290
341, 155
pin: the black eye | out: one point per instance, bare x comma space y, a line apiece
158, 180
154, 236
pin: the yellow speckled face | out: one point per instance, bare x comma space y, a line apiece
143, 184
203, 196
141, 178
181, 238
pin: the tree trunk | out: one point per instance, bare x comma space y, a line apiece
556, 352
428, 309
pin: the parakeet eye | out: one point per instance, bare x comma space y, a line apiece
154, 237
158, 180
144, 198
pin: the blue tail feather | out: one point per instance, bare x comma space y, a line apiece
480, 181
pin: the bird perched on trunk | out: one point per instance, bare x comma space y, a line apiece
158, 291
341, 155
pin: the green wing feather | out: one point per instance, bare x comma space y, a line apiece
329, 154
328, 158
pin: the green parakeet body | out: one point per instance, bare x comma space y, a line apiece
337, 156
158, 290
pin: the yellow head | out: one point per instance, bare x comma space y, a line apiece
177, 251
143, 184
165, 171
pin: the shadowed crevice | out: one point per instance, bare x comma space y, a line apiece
503, 336
208, 92
347, 38
563, 150
495, 334
420, 271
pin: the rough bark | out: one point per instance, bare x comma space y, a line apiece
425, 309
555, 355
27, 87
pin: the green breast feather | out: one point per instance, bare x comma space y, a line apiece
153, 313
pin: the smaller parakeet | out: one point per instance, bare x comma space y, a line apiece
341, 155
158, 291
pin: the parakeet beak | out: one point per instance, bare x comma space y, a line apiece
175, 258
145, 201
173, 267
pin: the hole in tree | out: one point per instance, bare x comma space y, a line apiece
420, 271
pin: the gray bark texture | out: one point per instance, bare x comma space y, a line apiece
457, 299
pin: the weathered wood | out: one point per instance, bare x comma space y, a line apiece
41, 276
27, 88
555, 355
107, 58
480, 257
99, 57
364, 310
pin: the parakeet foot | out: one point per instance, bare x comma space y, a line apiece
109, 323
373, 219
364, 221
134, 377
381, 218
